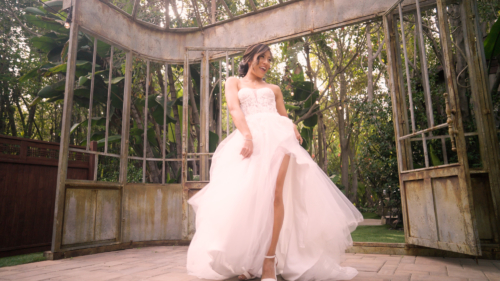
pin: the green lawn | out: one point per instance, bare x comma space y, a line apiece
21, 259
379, 233
370, 216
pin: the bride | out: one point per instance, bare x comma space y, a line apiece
268, 209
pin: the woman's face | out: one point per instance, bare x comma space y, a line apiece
260, 64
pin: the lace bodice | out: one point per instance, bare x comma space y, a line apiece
257, 100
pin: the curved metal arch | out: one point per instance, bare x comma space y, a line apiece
270, 25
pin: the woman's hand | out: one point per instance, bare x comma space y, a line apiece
297, 134
247, 149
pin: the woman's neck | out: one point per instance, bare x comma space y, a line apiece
252, 78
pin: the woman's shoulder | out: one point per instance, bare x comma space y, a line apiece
233, 81
232, 85
276, 89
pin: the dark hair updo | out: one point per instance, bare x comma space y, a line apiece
249, 55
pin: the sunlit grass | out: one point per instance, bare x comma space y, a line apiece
379, 233
370, 216
21, 259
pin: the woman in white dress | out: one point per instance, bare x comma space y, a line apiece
268, 209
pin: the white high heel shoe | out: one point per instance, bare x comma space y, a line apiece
276, 262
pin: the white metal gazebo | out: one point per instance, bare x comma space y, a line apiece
440, 203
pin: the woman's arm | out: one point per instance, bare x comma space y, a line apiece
233, 105
280, 106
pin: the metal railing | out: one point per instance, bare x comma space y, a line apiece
90, 114
106, 152
204, 154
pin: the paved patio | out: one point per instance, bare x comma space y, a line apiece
168, 264
371, 222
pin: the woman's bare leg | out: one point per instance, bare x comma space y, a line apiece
279, 214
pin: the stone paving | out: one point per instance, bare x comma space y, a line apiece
168, 264
371, 222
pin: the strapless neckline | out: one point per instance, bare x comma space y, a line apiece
255, 89
256, 100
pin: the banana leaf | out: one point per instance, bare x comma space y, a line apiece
96, 121
46, 23
44, 43
306, 134
32, 73
111, 139
53, 90
492, 41
34, 11
213, 141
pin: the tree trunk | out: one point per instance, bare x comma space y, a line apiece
12, 121
435, 47
369, 74
320, 143
195, 121
314, 144
368, 196
159, 136
353, 196
31, 121
31, 118
212, 107
461, 63
210, 111
59, 126
173, 96
325, 146
194, 164
10, 111
177, 128
3, 125
53, 130
344, 143
414, 71
16, 97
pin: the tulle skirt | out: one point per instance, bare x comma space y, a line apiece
234, 212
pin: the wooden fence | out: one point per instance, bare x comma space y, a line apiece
28, 171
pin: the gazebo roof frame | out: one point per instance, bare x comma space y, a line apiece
272, 24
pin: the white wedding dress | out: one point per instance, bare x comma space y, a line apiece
234, 212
